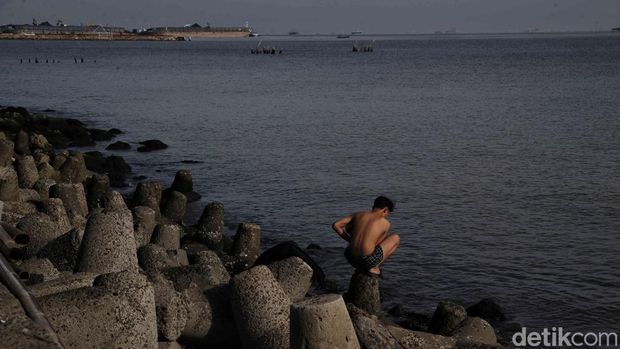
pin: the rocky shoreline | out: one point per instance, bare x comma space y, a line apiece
127, 271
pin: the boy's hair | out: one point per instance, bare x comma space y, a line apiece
382, 202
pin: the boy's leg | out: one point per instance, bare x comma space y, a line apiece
389, 245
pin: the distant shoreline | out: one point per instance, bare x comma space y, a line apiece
169, 36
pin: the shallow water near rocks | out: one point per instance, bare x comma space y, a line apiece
502, 152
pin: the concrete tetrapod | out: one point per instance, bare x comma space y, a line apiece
322, 322
261, 309
294, 275
118, 312
364, 292
108, 244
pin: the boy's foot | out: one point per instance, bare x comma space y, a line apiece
375, 271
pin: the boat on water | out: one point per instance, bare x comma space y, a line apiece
616, 29
253, 34
343, 36
356, 32
293, 33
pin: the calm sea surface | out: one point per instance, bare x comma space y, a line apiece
502, 152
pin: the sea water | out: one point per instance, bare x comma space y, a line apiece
502, 152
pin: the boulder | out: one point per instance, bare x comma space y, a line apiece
117, 312
364, 292
95, 161
168, 236
148, 193
294, 276
27, 171
7, 152
100, 135
174, 206
63, 251
117, 169
152, 145
144, 224
108, 244
261, 309
74, 169
118, 145
79, 136
448, 317
246, 245
322, 322
211, 225
475, 329
9, 184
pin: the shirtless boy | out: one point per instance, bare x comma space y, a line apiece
367, 234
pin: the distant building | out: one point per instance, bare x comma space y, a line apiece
47, 28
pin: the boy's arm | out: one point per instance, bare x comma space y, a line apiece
339, 227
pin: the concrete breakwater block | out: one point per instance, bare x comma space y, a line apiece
42, 186
371, 333
152, 258
208, 271
7, 152
261, 309
322, 322
73, 170
62, 283
22, 143
37, 270
168, 236
46, 171
211, 225
448, 317
170, 307
114, 201
143, 224
475, 329
108, 244
174, 206
184, 183
148, 193
210, 322
41, 229
364, 292
74, 199
117, 312
246, 245
27, 171
9, 184
294, 275
63, 251
96, 189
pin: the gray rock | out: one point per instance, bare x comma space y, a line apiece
294, 275
448, 316
27, 171
9, 184
148, 193
174, 207
261, 309
144, 224
364, 292
118, 145
7, 152
211, 225
117, 312
246, 245
108, 244
487, 309
73, 170
322, 322
168, 236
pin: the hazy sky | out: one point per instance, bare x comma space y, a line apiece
328, 16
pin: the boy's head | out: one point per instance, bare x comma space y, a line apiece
382, 202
